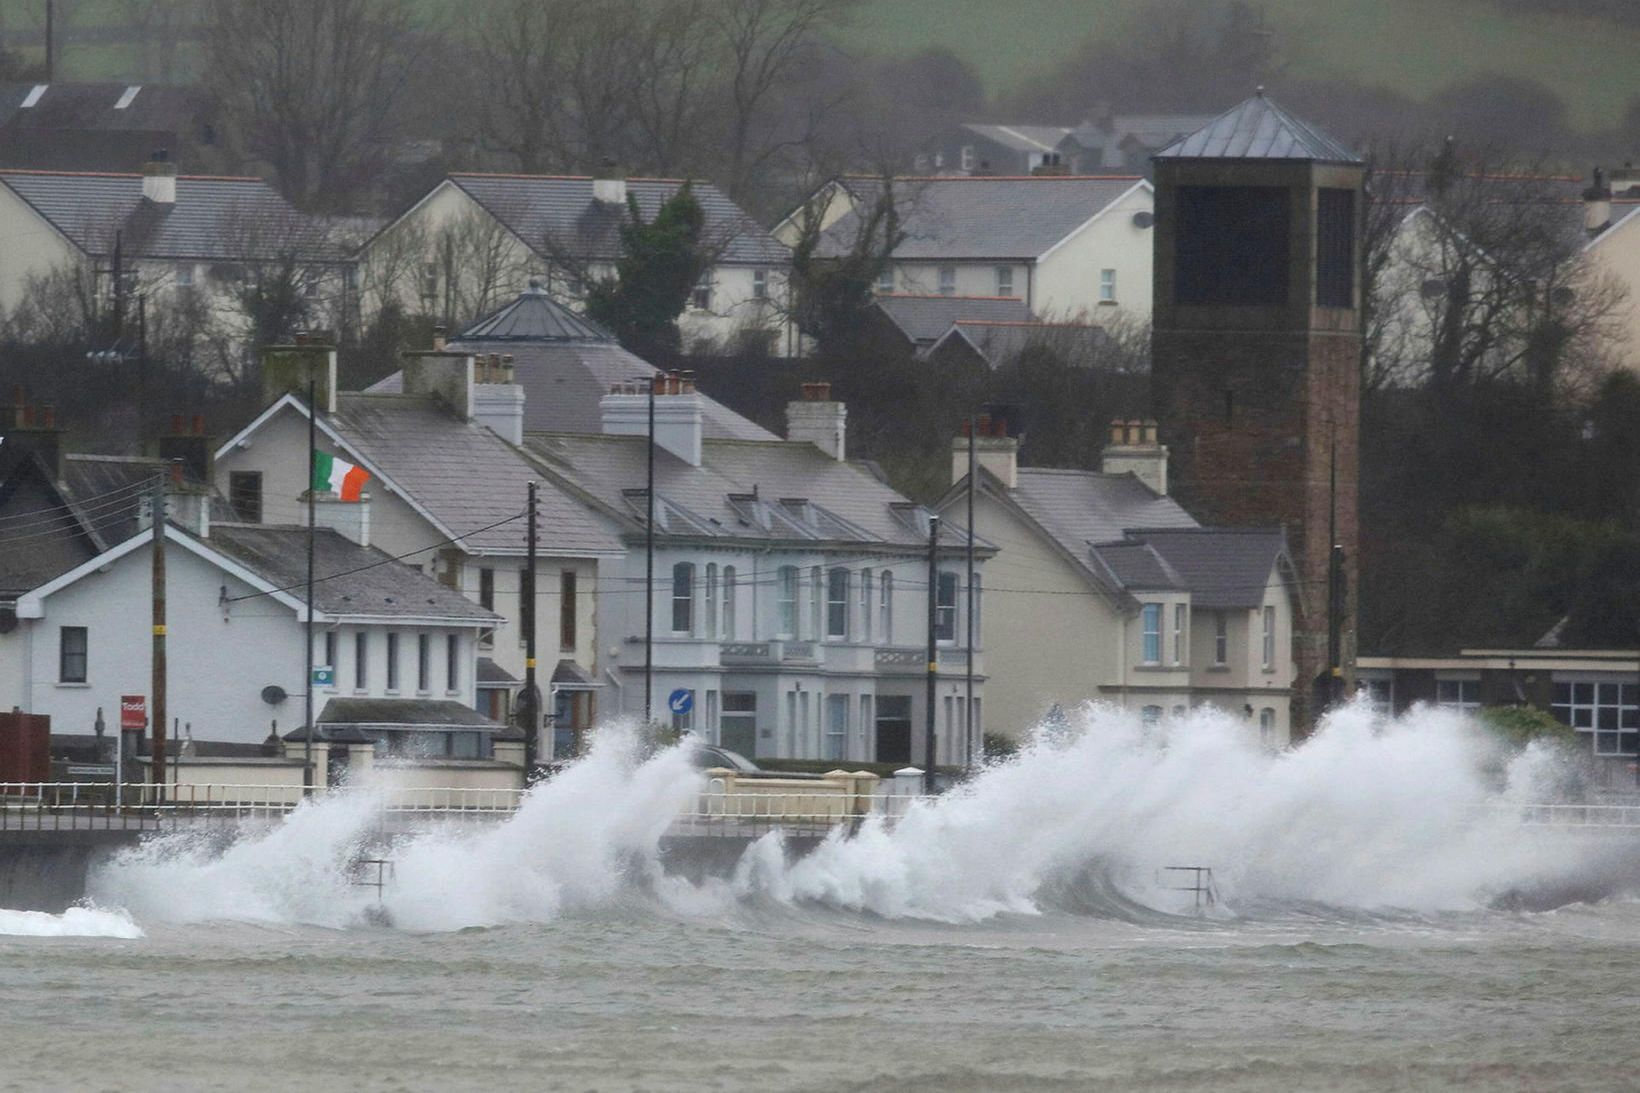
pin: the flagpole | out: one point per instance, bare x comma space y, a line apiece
307, 657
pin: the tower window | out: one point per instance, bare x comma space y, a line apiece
1335, 248
1232, 246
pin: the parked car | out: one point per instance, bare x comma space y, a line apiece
708, 756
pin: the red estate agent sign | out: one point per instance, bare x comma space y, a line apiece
133, 711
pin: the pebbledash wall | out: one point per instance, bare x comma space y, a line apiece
221, 652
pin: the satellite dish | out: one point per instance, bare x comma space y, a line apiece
1144, 218
8, 620
273, 694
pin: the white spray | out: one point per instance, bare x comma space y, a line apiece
1365, 815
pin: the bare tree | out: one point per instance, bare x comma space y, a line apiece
313, 86
1476, 272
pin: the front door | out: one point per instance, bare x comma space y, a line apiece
737, 727
894, 728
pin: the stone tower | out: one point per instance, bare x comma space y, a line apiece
1257, 354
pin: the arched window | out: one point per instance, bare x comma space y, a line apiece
683, 598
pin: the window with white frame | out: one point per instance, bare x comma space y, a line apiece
728, 620
1463, 695
1606, 708
429, 283
866, 604
1005, 280
1150, 627
1269, 638
837, 603
786, 624
361, 661
1107, 286
885, 280
1221, 637
73, 653
835, 746
1151, 715
1181, 615
424, 663
885, 614
452, 663
948, 280
760, 284
393, 663
979, 610
1267, 728
967, 157
945, 609
1380, 692
817, 593
184, 276
683, 598
701, 298
711, 599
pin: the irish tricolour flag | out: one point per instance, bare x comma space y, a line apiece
338, 476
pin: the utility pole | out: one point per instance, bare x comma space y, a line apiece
968, 716
142, 363
649, 568
157, 518
307, 629
933, 652
532, 696
51, 40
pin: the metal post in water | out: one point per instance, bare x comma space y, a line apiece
532, 695
933, 651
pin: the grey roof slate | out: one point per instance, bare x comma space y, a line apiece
108, 492
560, 209
491, 674
923, 319
41, 536
982, 218
464, 475
1259, 129
1001, 343
566, 364
349, 579
1082, 507
1137, 567
1223, 567
213, 219
1023, 138
1147, 130
757, 490
92, 106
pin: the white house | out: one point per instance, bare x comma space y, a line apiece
791, 586
1069, 247
235, 616
476, 240
174, 235
1142, 605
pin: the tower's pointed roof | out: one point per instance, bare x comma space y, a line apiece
536, 317
1259, 129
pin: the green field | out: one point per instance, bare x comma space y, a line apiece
1414, 46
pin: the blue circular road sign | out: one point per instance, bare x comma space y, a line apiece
681, 700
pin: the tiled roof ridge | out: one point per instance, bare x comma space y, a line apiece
1479, 176
1025, 322
1138, 532
523, 176
38, 172
938, 296
999, 178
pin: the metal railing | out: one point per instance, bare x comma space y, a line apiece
1614, 818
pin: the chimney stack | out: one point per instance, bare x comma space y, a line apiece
25, 431
286, 369
819, 420
680, 413
995, 450
1597, 204
186, 446
1134, 449
443, 373
1050, 167
159, 179
609, 185
498, 402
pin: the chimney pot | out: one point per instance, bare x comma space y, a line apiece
48, 416
1118, 431
28, 416
438, 339
199, 424
301, 337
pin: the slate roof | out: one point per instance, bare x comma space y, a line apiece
1223, 567
1022, 138
923, 319
1082, 507
1001, 343
213, 219
983, 218
95, 106
756, 490
1137, 567
1147, 130
464, 475
560, 208
566, 364
403, 713
1259, 129
350, 579
109, 492
41, 536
